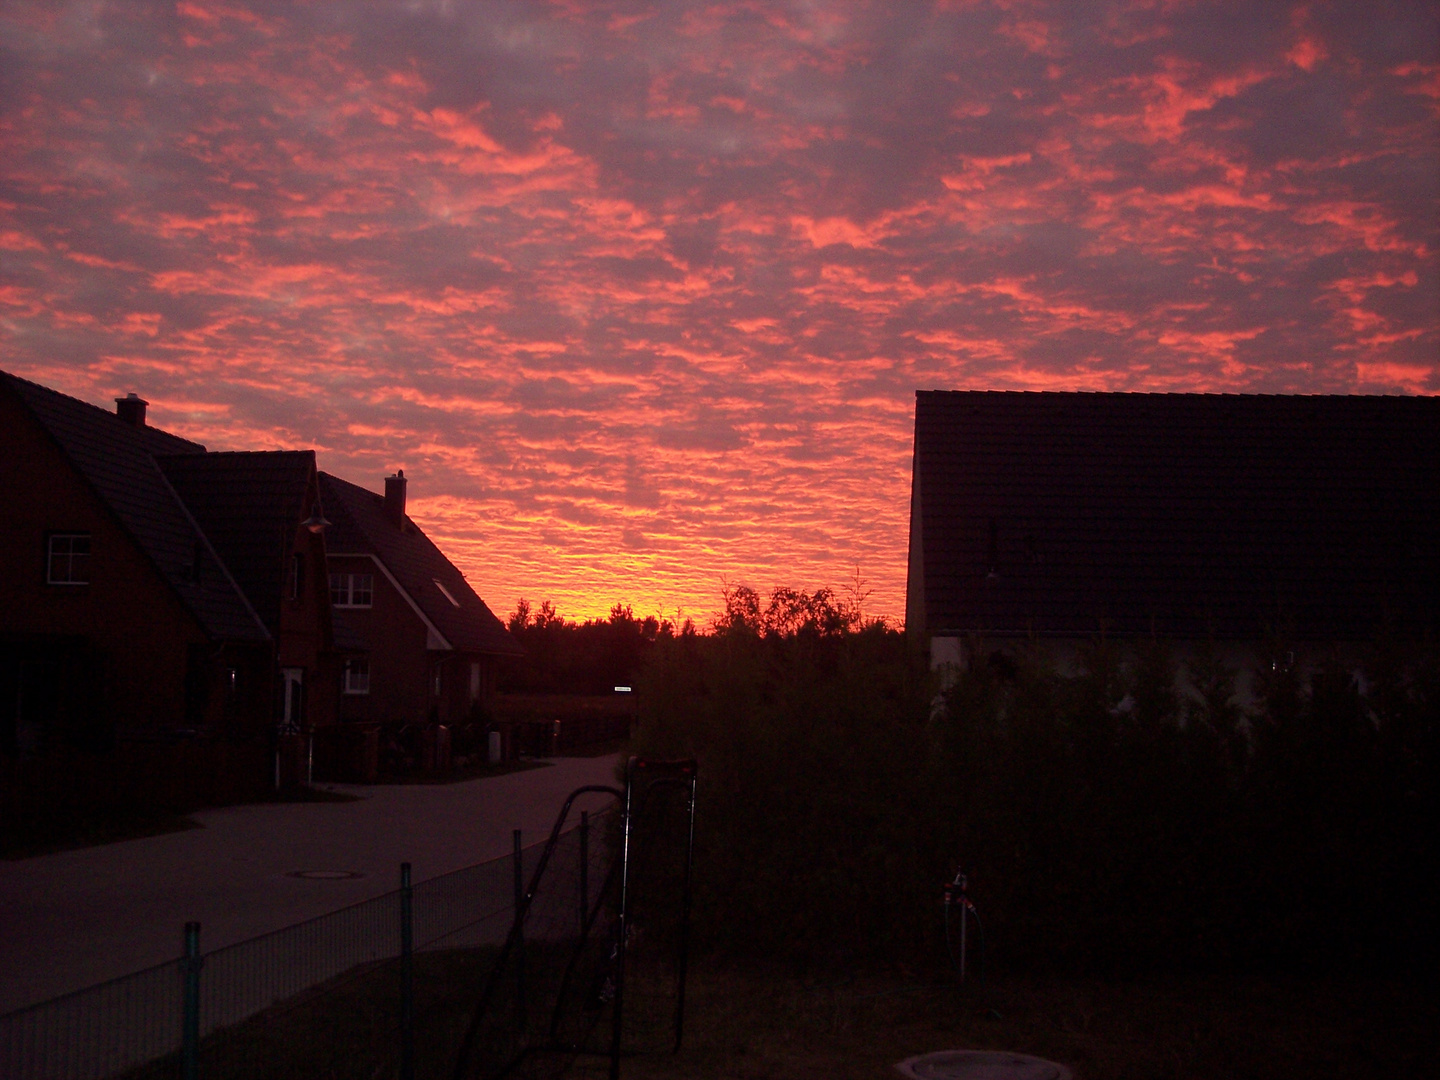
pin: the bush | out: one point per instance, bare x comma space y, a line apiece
809, 829
1109, 822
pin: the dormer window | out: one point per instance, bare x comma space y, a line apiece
352, 590
68, 559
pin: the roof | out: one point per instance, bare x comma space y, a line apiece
360, 526
118, 461
1185, 515
249, 504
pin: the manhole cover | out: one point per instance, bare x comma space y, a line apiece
325, 875
981, 1065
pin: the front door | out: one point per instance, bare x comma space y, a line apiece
293, 716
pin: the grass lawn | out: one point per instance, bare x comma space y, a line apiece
755, 1023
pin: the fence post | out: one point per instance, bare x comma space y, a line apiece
617, 1029
519, 931
407, 975
190, 1006
584, 868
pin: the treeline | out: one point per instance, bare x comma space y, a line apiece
590, 657
594, 656
1127, 815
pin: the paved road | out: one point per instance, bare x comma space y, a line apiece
76, 918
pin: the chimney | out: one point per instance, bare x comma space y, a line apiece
395, 498
131, 409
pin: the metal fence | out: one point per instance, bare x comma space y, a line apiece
594, 967
382, 988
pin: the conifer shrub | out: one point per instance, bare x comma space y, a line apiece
1127, 815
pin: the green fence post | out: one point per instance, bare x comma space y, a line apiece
190, 1006
407, 975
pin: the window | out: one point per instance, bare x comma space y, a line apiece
69, 559
352, 590
297, 575
443, 589
357, 676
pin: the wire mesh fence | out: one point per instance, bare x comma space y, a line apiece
96, 1032
336, 996
595, 965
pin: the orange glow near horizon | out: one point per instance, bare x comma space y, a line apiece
639, 294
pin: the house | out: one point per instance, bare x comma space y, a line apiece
154, 594
422, 645
1059, 517
118, 620
262, 515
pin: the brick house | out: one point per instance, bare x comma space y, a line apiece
262, 514
1053, 518
118, 620
421, 644
155, 594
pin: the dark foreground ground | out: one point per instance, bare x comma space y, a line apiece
757, 1024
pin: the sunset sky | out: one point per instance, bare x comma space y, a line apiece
639, 294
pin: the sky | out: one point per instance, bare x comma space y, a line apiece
639, 294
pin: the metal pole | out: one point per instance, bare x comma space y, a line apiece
190, 1019
407, 975
624, 924
964, 912
519, 932
584, 868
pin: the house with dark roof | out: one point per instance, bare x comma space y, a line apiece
118, 619
155, 592
262, 514
421, 645
1062, 517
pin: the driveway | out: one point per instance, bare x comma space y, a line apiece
77, 918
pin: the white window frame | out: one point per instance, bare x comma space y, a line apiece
349, 589
356, 679
54, 557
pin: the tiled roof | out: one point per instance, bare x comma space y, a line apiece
359, 526
118, 461
1188, 515
249, 504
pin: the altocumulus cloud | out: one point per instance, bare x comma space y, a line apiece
639, 293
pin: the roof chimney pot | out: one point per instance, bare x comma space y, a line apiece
395, 498
131, 409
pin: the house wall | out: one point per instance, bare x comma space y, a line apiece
126, 630
400, 664
305, 628
951, 656
403, 667
915, 568
466, 680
